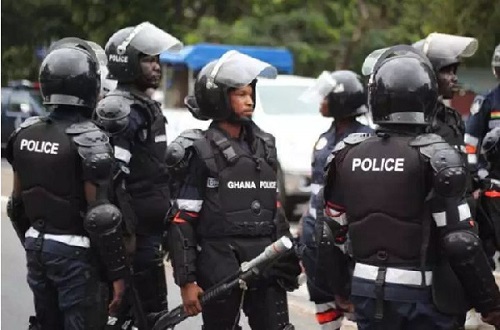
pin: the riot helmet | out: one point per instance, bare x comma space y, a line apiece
69, 75
97, 52
445, 49
495, 62
344, 91
232, 70
126, 45
402, 88
490, 146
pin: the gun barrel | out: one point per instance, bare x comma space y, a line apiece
270, 252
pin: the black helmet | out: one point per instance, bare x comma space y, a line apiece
445, 49
403, 87
490, 147
125, 46
97, 52
232, 70
495, 62
70, 75
345, 91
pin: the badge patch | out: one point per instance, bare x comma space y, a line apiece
321, 143
476, 105
212, 182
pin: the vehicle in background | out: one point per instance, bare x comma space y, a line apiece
20, 100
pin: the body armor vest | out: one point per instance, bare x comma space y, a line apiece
50, 171
240, 197
388, 226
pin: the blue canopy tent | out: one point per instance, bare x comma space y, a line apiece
196, 56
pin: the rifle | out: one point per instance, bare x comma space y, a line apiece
248, 271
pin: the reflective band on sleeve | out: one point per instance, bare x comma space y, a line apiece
464, 211
122, 154
189, 205
439, 218
472, 159
471, 140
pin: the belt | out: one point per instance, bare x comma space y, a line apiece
73, 240
393, 275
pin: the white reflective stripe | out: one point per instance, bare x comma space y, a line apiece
315, 188
341, 219
312, 212
464, 212
73, 240
189, 205
469, 139
472, 158
122, 154
439, 218
393, 275
320, 308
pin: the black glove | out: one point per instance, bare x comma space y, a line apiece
285, 271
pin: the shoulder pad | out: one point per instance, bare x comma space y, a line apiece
79, 128
476, 104
176, 151
30, 121
92, 138
356, 138
426, 139
114, 106
450, 173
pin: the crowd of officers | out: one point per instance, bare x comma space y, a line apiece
399, 233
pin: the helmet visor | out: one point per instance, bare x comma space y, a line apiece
150, 40
324, 85
445, 46
237, 70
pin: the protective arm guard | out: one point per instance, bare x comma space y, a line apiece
103, 223
182, 247
333, 265
468, 261
17, 215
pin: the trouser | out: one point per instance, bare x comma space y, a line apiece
327, 315
418, 315
266, 308
66, 287
149, 282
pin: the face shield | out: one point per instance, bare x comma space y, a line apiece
324, 85
236, 70
150, 40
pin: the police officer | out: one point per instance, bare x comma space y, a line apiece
484, 116
343, 98
59, 206
445, 52
400, 195
137, 128
226, 208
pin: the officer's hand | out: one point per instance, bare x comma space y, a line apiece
344, 304
118, 292
492, 318
190, 293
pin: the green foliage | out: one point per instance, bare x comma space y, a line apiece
322, 34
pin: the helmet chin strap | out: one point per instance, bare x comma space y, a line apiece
235, 119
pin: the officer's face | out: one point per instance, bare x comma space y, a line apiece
242, 101
447, 81
151, 71
323, 108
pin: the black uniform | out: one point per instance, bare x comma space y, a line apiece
137, 128
226, 209
52, 157
409, 188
